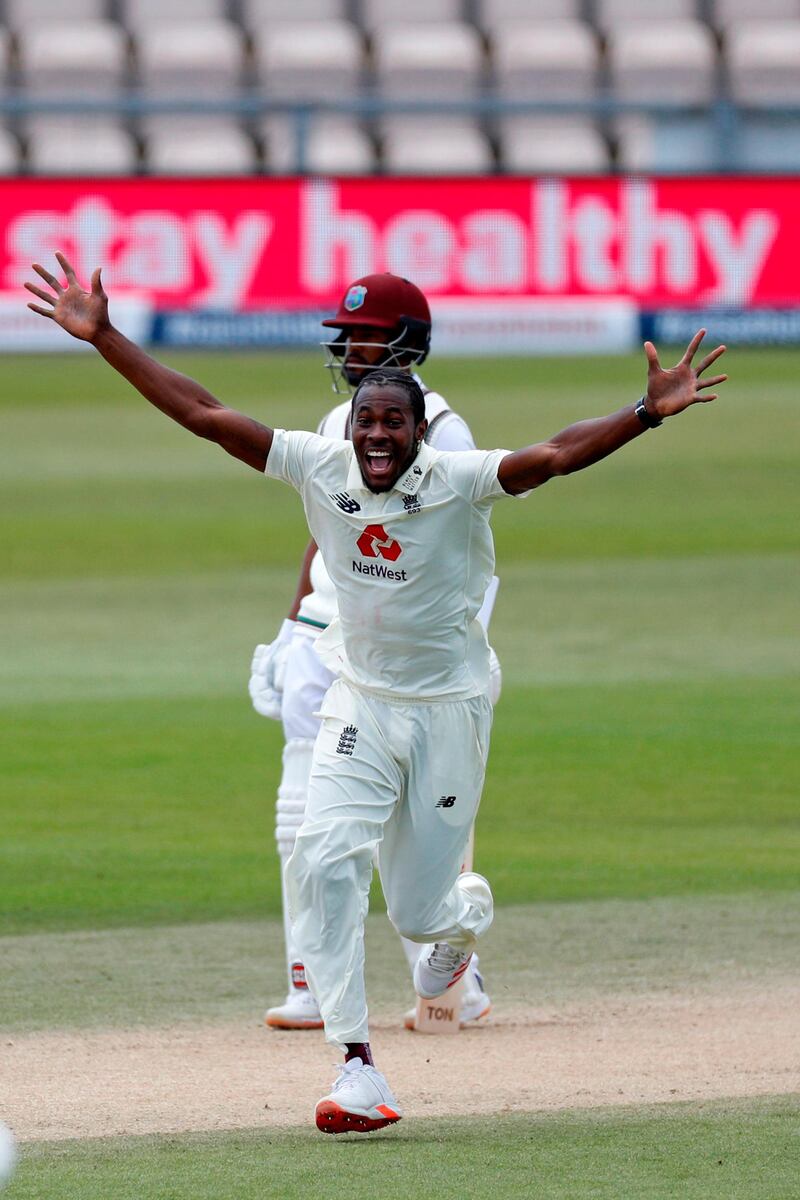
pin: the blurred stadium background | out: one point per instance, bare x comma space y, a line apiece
556, 174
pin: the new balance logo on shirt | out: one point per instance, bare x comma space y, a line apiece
344, 502
446, 802
347, 740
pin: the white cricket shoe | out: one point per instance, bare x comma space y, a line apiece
438, 968
475, 1002
359, 1101
300, 1011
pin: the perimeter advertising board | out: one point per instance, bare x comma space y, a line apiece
255, 260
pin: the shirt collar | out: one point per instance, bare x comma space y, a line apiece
408, 483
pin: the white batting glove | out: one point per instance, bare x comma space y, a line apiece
267, 672
495, 677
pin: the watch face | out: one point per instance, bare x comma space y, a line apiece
644, 416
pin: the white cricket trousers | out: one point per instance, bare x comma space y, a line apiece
405, 779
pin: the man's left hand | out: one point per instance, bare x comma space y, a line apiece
670, 390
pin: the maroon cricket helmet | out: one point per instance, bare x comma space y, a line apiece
383, 300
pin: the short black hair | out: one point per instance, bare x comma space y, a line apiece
383, 376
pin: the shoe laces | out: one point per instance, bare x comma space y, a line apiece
445, 958
347, 1074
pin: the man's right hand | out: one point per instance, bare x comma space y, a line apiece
267, 672
83, 314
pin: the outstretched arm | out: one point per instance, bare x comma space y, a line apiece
84, 315
669, 391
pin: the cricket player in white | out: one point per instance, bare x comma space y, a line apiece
406, 726
382, 320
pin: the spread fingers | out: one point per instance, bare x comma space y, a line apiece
712, 381
41, 293
48, 278
43, 312
709, 359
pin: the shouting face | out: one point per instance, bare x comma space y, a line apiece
385, 434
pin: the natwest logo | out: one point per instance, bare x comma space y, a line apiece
375, 541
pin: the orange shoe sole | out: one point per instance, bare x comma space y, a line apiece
332, 1118
283, 1023
480, 1016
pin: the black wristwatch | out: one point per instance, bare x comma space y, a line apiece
645, 416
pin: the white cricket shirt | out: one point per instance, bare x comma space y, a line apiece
446, 431
410, 566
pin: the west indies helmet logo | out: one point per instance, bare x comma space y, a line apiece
355, 297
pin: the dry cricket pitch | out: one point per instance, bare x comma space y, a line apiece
654, 1022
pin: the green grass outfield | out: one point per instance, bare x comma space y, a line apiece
645, 747
692, 1152
646, 742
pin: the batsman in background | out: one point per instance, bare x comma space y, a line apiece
383, 320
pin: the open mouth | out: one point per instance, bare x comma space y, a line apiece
379, 462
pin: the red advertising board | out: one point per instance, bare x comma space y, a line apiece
264, 243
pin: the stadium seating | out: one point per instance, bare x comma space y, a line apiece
81, 58
88, 146
610, 14
21, 13
662, 61
146, 14
257, 13
435, 146
202, 59
490, 13
763, 61
445, 64
439, 51
668, 144
9, 152
569, 145
549, 61
768, 144
379, 13
319, 59
211, 146
5, 51
334, 146
724, 12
